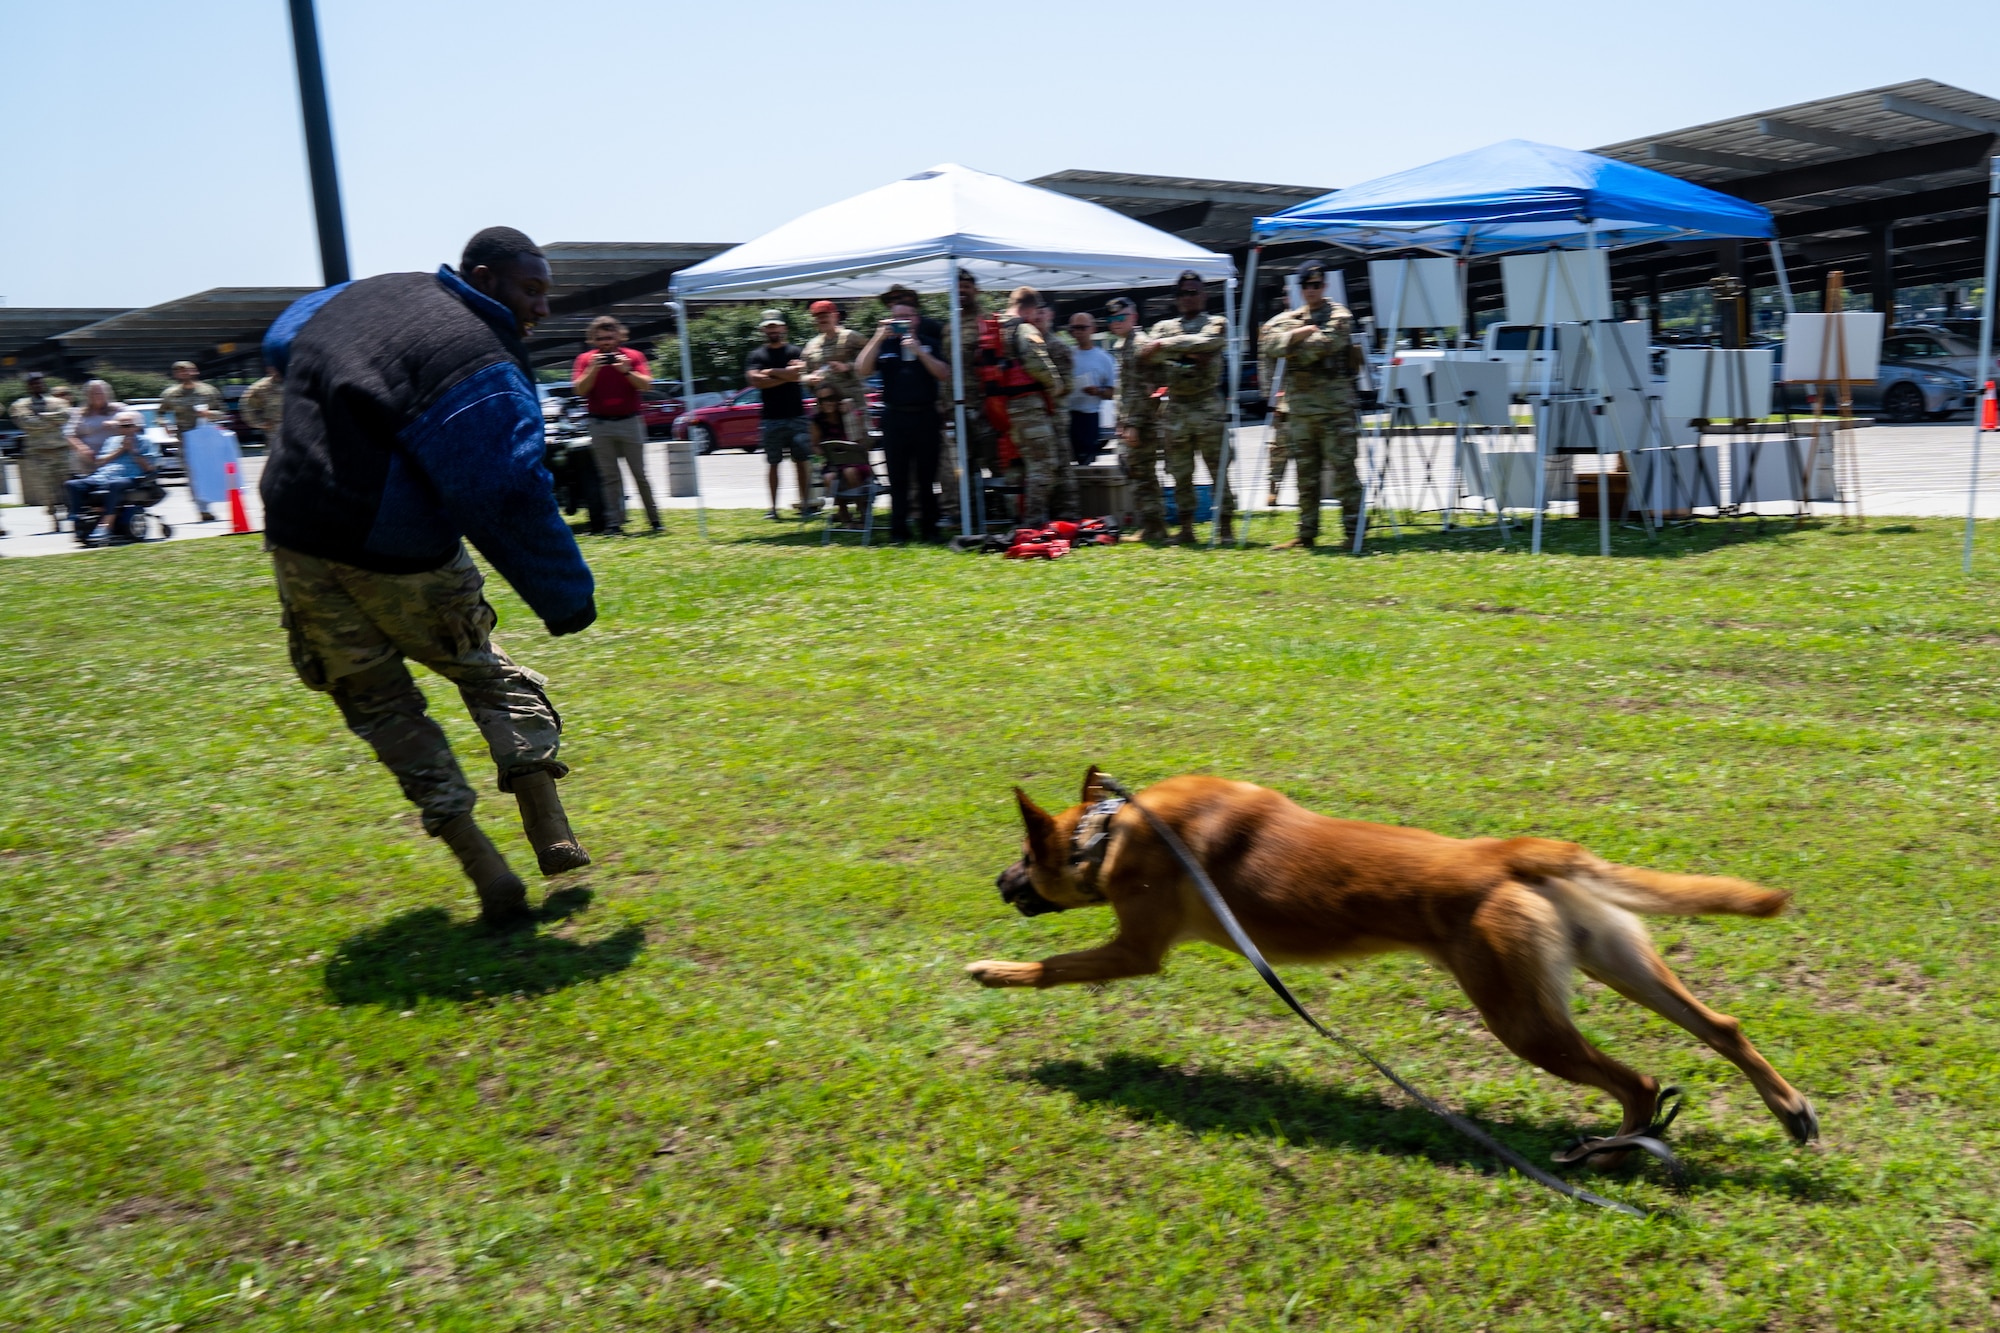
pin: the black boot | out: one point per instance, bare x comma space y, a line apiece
547, 827
503, 898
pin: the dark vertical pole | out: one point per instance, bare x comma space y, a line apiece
319, 144
1882, 269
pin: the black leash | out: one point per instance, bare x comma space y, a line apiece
1647, 1139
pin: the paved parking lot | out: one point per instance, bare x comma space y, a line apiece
1912, 471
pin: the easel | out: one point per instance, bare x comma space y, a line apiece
1846, 451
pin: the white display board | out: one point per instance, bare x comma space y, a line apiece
1410, 385
1579, 290
1479, 386
1509, 477
1416, 293
1781, 469
1601, 357
1814, 345
1674, 478
1718, 384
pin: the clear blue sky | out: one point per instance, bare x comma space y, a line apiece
171, 158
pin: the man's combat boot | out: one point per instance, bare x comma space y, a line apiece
1185, 537
503, 898
1225, 529
547, 827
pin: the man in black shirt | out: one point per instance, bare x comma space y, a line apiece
775, 370
907, 352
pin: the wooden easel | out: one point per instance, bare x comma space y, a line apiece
1846, 453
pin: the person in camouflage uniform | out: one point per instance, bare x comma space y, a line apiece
839, 398
47, 461
181, 403
1187, 353
1064, 500
1317, 424
1138, 419
1030, 421
264, 406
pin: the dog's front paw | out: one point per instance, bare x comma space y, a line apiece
994, 972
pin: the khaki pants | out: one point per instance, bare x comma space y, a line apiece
351, 630
609, 442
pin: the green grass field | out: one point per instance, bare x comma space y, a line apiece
259, 1071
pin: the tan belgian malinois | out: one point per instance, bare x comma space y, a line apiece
1510, 918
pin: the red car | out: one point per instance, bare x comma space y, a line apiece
726, 421
660, 412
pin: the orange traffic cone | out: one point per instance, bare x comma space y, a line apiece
1989, 413
239, 519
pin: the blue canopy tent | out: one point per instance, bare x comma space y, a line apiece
1517, 196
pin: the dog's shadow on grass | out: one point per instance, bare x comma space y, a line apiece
426, 953
1272, 1105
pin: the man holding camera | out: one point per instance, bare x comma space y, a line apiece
612, 377
907, 351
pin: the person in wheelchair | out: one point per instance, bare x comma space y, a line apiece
123, 481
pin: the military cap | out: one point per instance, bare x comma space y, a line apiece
771, 317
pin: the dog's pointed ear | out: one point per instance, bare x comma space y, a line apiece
1041, 827
1094, 789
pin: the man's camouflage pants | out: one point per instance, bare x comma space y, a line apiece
350, 632
1313, 441
1044, 461
1188, 430
1142, 467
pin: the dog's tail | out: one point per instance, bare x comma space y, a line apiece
1636, 889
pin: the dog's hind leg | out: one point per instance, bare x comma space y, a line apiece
1619, 953
1514, 963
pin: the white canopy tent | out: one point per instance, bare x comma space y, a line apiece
924, 230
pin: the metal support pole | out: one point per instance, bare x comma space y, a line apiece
965, 518
1235, 416
319, 145
1784, 278
687, 391
1548, 417
1985, 376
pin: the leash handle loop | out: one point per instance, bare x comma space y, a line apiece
1213, 897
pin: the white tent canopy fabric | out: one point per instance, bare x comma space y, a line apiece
1004, 233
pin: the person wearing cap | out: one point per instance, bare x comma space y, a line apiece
839, 400
1063, 498
45, 454
126, 459
1187, 352
1315, 423
183, 403
1031, 415
1138, 419
775, 371
612, 379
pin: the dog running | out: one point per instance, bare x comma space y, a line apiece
1509, 918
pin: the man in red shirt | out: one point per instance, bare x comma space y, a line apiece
611, 377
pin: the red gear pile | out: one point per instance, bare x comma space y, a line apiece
1058, 539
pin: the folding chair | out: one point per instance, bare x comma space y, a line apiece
842, 455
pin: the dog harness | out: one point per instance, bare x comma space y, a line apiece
1090, 841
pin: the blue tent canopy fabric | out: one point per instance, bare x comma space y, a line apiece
1517, 195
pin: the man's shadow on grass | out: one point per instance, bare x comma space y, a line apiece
1276, 1106
426, 953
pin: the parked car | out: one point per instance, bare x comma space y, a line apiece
660, 410
1902, 391
729, 421
1937, 346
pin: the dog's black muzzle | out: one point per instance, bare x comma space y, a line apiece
1017, 888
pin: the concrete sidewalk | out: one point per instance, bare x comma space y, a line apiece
1918, 471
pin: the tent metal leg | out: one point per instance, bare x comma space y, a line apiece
965, 516
1985, 376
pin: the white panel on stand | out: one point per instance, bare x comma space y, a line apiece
1769, 468
1814, 344
1418, 293
1718, 384
1509, 475
1580, 290
1480, 385
1620, 346
1687, 480
1410, 384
